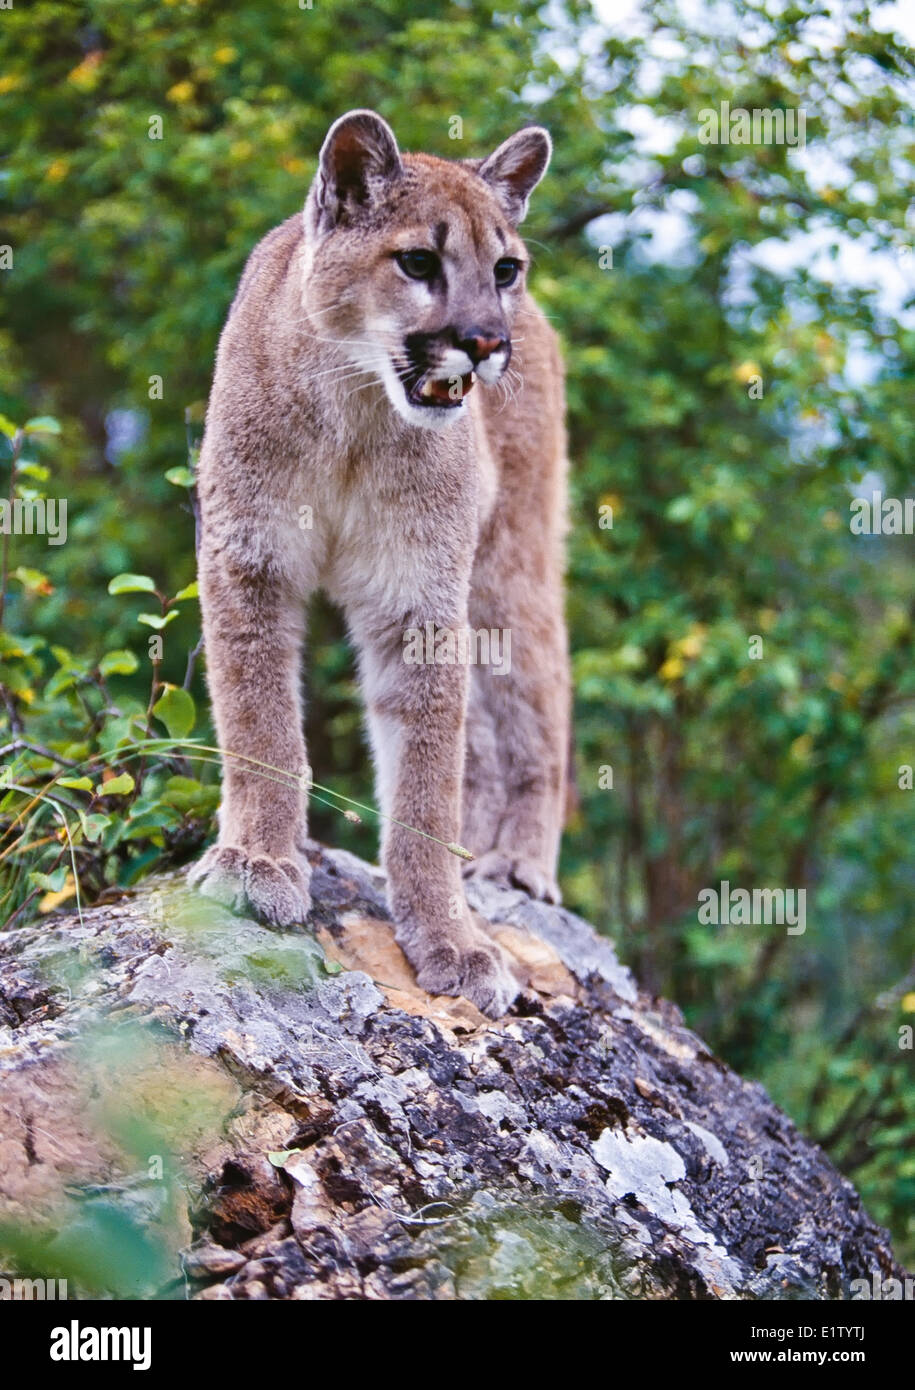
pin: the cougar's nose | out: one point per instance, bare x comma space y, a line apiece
479, 345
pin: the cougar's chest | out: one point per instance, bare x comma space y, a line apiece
405, 527
487, 466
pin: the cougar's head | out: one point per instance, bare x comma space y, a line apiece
416, 269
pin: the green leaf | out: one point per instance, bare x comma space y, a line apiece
19, 645
32, 579
189, 591
42, 424
76, 751
117, 786
177, 711
94, 825
79, 784
62, 680
279, 1157
157, 620
31, 469
188, 795
52, 883
118, 663
180, 476
681, 509
131, 584
134, 869
7, 427
149, 825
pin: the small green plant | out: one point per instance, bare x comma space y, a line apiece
92, 794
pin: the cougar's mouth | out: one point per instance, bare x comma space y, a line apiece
424, 389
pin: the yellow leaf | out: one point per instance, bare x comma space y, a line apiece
182, 91
52, 900
85, 74
691, 645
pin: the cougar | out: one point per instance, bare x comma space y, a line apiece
387, 424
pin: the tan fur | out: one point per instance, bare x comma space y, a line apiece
418, 513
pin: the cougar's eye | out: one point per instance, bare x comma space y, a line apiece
419, 265
506, 271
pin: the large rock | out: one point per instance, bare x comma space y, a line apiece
192, 1104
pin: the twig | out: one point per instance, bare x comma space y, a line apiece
16, 725
39, 748
191, 662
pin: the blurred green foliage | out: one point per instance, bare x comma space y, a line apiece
720, 412
151, 1108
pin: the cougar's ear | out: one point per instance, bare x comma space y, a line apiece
514, 170
358, 157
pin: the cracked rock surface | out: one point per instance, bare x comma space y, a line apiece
192, 1105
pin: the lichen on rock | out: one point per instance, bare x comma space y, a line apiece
252, 1114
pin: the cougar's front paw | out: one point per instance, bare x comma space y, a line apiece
273, 890
474, 968
508, 870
